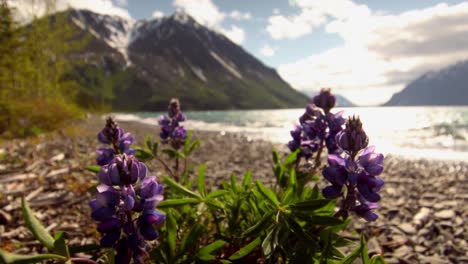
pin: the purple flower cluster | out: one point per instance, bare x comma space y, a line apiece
357, 170
171, 130
317, 126
125, 192
120, 141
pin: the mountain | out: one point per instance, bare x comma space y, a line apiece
139, 66
341, 101
448, 86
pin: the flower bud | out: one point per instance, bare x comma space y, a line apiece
353, 138
325, 100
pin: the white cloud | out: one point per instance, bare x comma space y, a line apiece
27, 9
381, 53
237, 15
157, 14
203, 11
267, 51
235, 34
276, 11
207, 13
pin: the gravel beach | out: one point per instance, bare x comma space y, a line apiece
423, 216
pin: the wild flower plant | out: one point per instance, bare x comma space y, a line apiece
241, 221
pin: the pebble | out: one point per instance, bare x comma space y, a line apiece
422, 216
408, 228
445, 214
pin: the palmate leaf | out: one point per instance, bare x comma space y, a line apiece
11, 258
215, 194
38, 230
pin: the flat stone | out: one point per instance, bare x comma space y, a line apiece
445, 214
407, 228
422, 216
420, 249
403, 251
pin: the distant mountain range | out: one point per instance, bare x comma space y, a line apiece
139, 66
448, 86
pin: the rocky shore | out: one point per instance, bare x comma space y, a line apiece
423, 214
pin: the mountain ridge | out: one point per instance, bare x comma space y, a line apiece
445, 87
145, 63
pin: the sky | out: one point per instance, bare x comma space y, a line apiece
364, 50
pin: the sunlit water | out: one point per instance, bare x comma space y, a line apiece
428, 132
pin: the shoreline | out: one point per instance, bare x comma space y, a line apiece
422, 214
280, 136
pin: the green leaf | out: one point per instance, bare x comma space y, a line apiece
143, 155
12, 258
234, 183
268, 245
60, 245
171, 227
293, 179
201, 180
364, 254
267, 193
193, 147
191, 238
310, 205
177, 202
83, 248
275, 156
207, 250
181, 189
352, 256
172, 153
247, 179
38, 230
253, 230
215, 204
244, 251
291, 158
94, 168
216, 194
376, 259
148, 141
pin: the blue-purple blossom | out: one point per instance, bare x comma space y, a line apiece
171, 130
356, 170
317, 127
125, 205
120, 142
325, 100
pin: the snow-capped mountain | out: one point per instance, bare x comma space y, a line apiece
448, 86
175, 56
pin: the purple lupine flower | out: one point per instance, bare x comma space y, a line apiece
171, 130
325, 100
353, 138
125, 205
120, 141
317, 126
356, 170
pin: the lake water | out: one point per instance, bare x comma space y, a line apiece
419, 132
